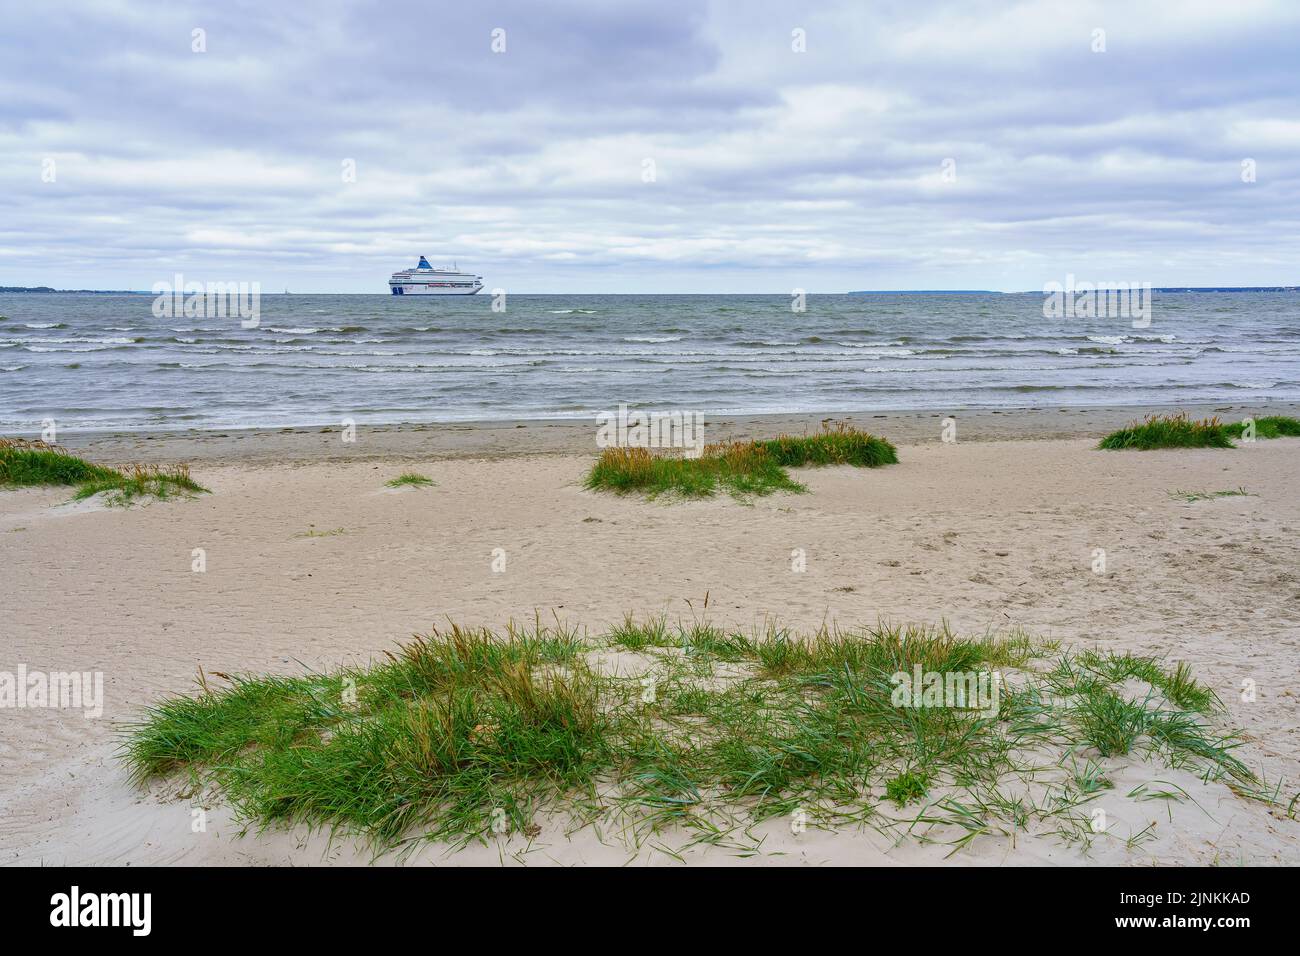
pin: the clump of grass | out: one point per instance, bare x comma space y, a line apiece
1191, 496
1186, 691
1090, 778
412, 479
142, 481
37, 463
838, 443
26, 463
635, 636
1277, 426
741, 468
906, 787
1180, 431
1111, 723
461, 730
1169, 431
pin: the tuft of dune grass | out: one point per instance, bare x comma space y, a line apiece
36, 463
466, 733
1277, 426
837, 443
1180, 431
1168, 431
411, 479
741, 468
1193, 496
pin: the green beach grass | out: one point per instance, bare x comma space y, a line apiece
1181, 431
410, 479
463, 734
1277, 426
740, 468
1194, 496
35, 463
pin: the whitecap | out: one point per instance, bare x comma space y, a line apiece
874, 351
41, 348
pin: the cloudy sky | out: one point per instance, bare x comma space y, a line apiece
650, 147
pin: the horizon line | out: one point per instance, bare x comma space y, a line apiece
48, 290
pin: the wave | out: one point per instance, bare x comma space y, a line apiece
875, 351
112, 341
50, 348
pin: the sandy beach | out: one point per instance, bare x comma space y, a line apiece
312, 562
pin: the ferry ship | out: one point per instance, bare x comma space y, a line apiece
424, 279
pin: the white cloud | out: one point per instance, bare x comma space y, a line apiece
772, 168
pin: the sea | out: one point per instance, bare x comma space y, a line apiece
108, 362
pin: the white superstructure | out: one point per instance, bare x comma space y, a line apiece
424, 279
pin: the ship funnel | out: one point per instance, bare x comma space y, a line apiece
424, 263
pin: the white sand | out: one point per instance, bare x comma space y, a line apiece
985, 534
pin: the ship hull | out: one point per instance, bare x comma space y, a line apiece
416, 289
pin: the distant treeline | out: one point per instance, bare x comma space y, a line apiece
45, 288
1229, 288
1206, 288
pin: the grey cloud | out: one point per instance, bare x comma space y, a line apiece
773, 167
